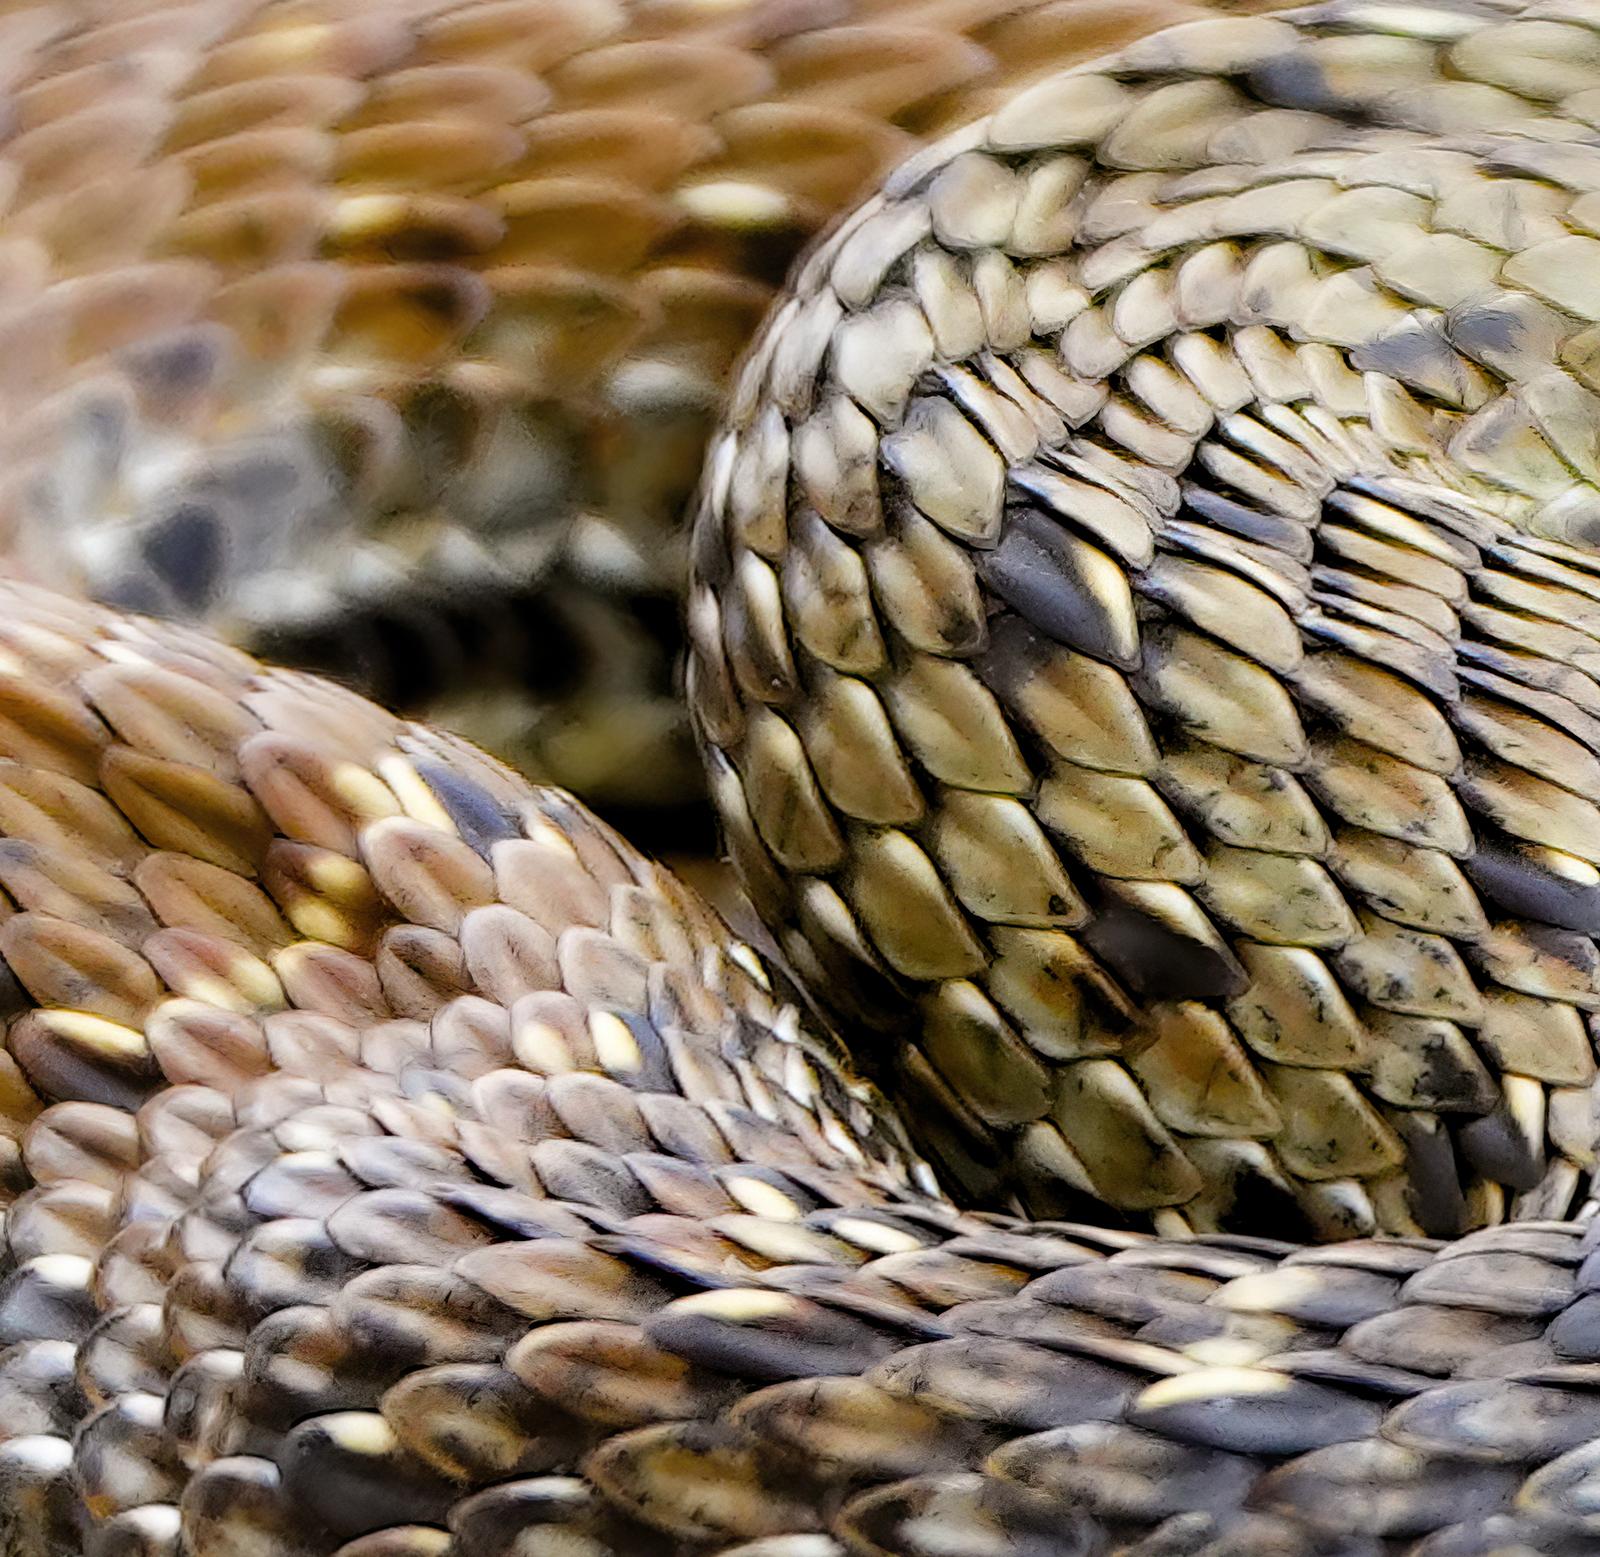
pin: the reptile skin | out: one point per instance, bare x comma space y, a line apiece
1146, 624
342, 325
1142, 637
399, 1165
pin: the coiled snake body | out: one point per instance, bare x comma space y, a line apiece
429, 306
1143, 638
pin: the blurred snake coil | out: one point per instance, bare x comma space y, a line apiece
1144, 620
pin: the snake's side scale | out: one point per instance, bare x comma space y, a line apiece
1144, 635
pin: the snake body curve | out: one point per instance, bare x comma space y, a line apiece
1142, 630
400, 1165
386, 337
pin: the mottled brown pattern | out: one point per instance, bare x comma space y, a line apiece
396, 1164
1145, 634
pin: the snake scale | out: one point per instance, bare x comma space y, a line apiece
474, 276
1143, 631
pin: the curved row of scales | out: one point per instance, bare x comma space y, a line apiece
1142, 635
1146, 640
399, 1165
388, 336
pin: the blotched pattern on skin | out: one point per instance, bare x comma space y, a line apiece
337, 324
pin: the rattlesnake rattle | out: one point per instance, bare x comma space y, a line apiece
1140, 615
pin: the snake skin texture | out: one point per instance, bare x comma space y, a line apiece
387, 334
397, 1164
1146, 627
1143, 621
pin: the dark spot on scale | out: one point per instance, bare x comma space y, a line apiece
1250, 524
1496, 1147
1295, 80
479, 817
1433, 1176
140, 593
1038, 569
1485, 331
1510, 879
1258, 1202
353, 1484
187, 549
1157, 962
173, 369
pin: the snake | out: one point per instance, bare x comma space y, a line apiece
410, 320
1142, 607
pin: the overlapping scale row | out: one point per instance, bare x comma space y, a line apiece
310, 1013
1053, 1389
561, 1235
323, 322
397, 1163
1145, 636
